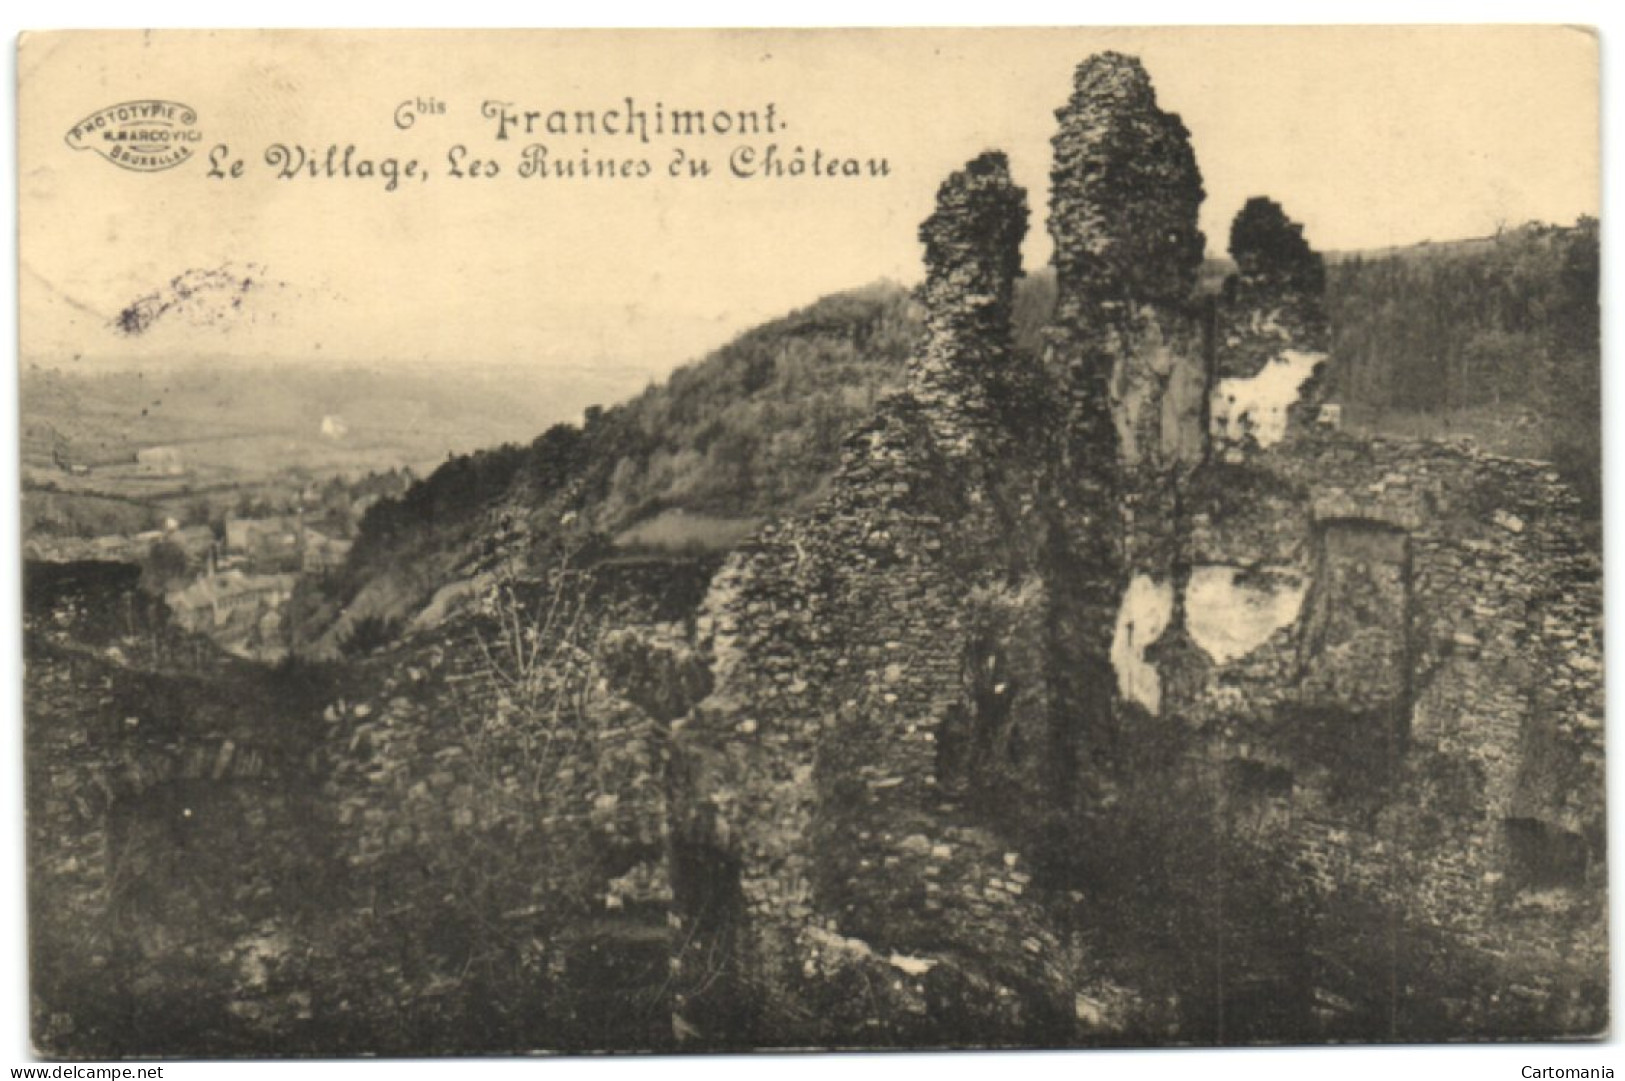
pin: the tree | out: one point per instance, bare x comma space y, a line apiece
1264, 242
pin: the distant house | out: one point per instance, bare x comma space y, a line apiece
264, 539
42, 442
323, 553
217, 602
160, 462
195, 540
63, 460
240, 533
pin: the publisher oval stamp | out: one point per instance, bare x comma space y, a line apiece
144, 136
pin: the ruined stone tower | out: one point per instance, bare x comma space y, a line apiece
1126, 336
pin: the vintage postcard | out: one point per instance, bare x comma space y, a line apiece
713, 540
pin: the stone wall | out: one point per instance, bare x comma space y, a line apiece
500, 819
230, 859
1419, 651
1417, 706
168, 839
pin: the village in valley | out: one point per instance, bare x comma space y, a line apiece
228, 580
238, 598
229, 486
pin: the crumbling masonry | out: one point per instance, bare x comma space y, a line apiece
1376, 661
1108, 697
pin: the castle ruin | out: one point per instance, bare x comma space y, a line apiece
1132, 584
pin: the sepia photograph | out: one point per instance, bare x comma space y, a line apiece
825, 540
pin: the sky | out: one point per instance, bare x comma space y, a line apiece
1369, 136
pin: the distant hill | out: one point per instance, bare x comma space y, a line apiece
1495, 339
106, 449
389, 416
1423, 249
